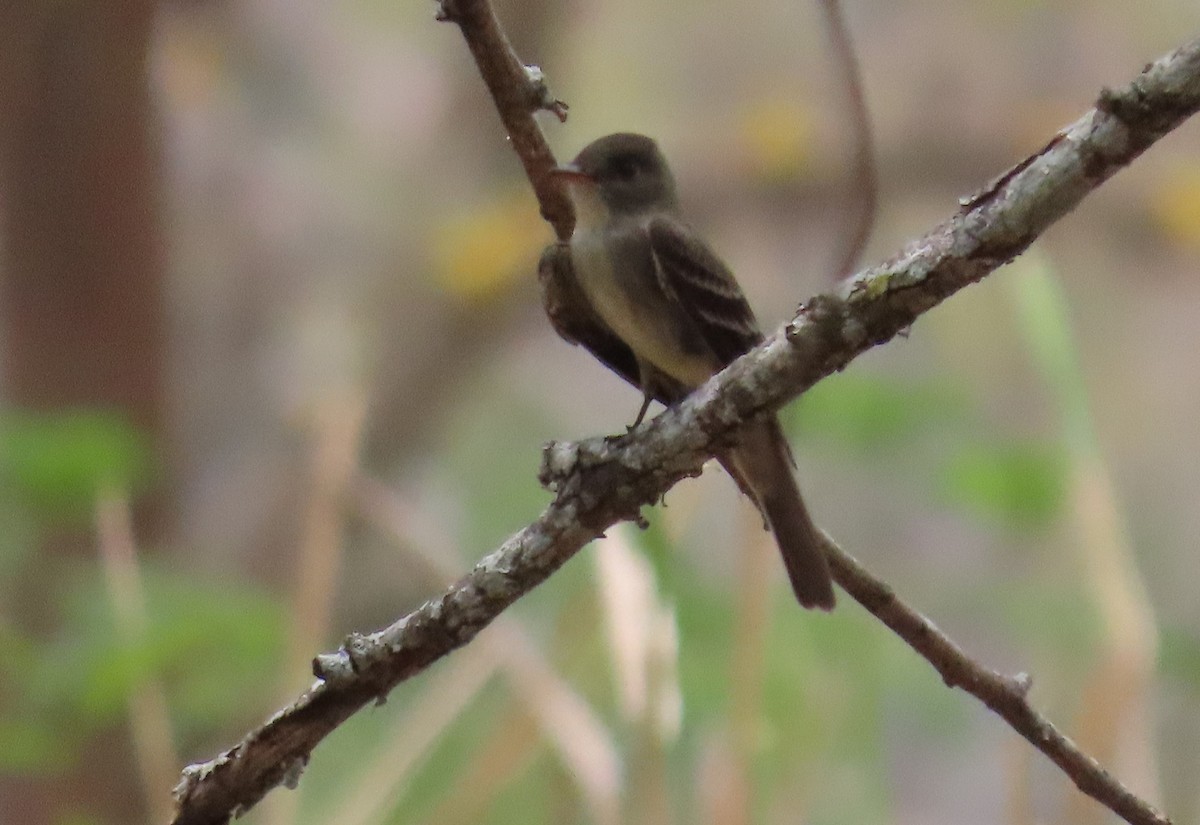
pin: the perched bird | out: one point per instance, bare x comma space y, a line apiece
644, 293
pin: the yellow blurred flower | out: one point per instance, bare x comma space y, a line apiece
482, 252
777, 136
1175, 204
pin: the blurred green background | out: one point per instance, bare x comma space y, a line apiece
275, 369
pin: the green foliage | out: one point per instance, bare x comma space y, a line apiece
58, 462
1009, 481
815, 697
1045, 323
532, 795
1052, 613
494, 451
705, 622
1017, 486
1179, 658
668, 565
29, 742
80, 681
18, 539
29, 747
864, 412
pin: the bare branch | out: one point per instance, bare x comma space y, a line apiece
601, 481
1005, 695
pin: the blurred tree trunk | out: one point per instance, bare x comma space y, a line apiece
81, 274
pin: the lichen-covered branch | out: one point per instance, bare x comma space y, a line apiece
600, 481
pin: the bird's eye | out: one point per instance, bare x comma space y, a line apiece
625, 167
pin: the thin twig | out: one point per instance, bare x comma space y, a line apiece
747, 666
336, 427
1005, 695
518, 92
1113, 708
601, 481
149, 711
335, 424
862, 195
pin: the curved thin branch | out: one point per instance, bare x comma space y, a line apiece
601, 481
862, 195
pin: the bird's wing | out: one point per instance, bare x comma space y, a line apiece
576, 322
697, 279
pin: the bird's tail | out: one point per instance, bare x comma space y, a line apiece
761, 465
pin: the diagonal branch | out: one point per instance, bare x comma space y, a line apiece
1004, 695
518, 91
601, 481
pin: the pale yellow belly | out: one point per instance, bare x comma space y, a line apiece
639, 314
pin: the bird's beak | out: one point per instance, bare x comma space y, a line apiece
570, 173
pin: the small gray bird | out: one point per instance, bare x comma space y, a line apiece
644, 294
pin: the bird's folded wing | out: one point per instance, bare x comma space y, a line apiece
694, 276
576, 322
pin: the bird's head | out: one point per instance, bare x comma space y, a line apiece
626, 172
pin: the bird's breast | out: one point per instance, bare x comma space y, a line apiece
616, 271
